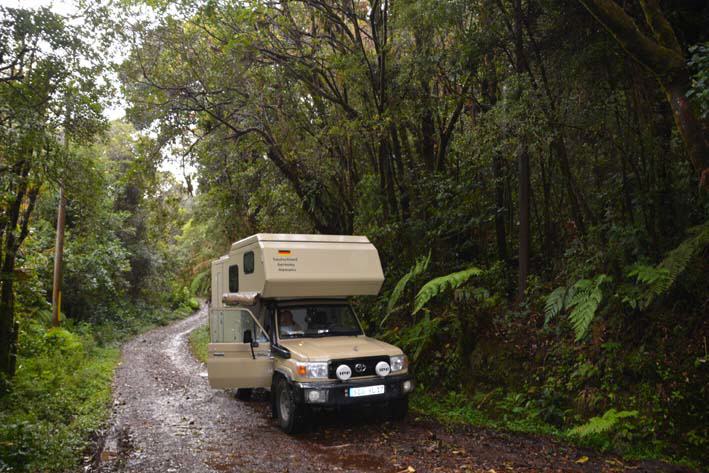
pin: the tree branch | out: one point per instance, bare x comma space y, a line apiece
661, 60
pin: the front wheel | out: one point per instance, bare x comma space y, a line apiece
291, 416
398, 408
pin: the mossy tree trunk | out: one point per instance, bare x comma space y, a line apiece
665, 57
14, 230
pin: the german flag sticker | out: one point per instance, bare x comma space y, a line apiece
283, 252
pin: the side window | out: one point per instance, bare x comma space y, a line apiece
229, 326
234, 278
248, 262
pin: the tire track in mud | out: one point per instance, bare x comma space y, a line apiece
167, 419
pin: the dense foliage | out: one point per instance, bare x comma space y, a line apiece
533, 173
122, 217
534, 189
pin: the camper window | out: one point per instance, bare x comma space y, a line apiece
248, 262
234, 278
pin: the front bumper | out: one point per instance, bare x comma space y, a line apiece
338, 391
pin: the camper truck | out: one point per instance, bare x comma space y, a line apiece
280, 319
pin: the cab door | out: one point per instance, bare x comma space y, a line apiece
231, 363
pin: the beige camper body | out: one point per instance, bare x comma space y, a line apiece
259, 286
288, 266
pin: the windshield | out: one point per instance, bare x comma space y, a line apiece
317, 320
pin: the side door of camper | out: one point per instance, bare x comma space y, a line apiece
233, 362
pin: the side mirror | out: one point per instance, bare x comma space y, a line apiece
248, 338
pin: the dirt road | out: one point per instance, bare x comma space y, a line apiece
167, 419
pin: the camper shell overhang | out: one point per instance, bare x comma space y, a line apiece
288, 266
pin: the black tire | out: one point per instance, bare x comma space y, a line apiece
244, 394
398, 408
291, 416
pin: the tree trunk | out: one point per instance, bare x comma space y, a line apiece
523, 162
499, 207
548, 238
8, 334
664, 57
7, 329
58, 259
579, 207
403, 181
524, 222
489, 90
694, 133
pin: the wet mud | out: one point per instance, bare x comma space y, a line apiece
167, 419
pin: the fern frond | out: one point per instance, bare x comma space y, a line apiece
656, 281
582, 315
440, 284
419, 267
584, 303
677, 260
555, 303
659, 280
599, 425
200, 283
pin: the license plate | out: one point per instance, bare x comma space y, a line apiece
367, 390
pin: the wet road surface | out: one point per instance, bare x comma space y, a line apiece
167, 419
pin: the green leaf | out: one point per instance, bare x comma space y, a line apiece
658, 280
418, 268
440, 284
554, 303
584, 303
599, 425
677, 260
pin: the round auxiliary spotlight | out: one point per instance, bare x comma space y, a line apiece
382, 368
343, 372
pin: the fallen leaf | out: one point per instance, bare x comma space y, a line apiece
582, 460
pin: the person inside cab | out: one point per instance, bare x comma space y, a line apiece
287, 325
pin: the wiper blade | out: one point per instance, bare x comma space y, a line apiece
347, 332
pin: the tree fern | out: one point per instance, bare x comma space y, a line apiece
599, 425
440, 284
418, 268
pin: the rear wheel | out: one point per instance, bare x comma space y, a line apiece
398, 408
291, 416
244, 394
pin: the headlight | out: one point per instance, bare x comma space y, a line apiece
313, 370
398, 363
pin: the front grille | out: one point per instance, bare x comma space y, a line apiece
369, 363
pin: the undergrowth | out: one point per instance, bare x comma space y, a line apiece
61, 393
513, 412
199, 340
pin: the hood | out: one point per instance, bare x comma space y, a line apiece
333, 348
